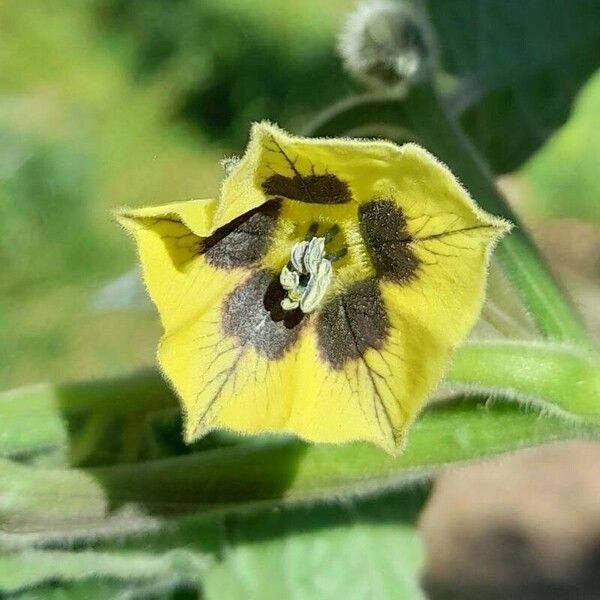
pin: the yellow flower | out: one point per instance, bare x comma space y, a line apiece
322, 294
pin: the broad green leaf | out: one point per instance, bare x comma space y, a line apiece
564, 177
72, 417
354, 549
519, 65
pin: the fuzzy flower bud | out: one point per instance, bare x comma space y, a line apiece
387, 44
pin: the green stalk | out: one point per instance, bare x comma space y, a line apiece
71, 502
422, 116
46, 504
553, 377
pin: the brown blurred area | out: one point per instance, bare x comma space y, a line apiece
527, 525
520, 526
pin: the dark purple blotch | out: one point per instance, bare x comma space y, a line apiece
384, 231
244, 241
351, 323
252, 313
315, 189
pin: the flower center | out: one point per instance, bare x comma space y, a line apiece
307, 275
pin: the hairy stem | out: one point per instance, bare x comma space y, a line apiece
46, 504
553, 377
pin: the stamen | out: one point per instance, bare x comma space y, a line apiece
331, 233
315, 251
297, 256
312, 231
307, 276
337, 255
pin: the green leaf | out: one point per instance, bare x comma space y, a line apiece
71, 417
311, 551
564, 177
519, 65
360, 548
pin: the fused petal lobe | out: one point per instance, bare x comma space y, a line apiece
406, 252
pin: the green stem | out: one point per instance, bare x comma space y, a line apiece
46, 504
422, 113
554, 377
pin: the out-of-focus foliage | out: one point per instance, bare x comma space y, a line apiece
230, 62
355, 549
42, 182
90, 121
351, 548
565, 176
78, 137
520, 65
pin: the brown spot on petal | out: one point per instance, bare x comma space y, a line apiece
383, 228
351, 323
315, 189
252, 313
245, 240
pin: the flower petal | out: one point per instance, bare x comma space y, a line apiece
227, 365
277, 165
188, 265
168, 240
245, 365
265, 375
430, 202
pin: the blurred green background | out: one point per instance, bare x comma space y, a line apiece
106, 103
